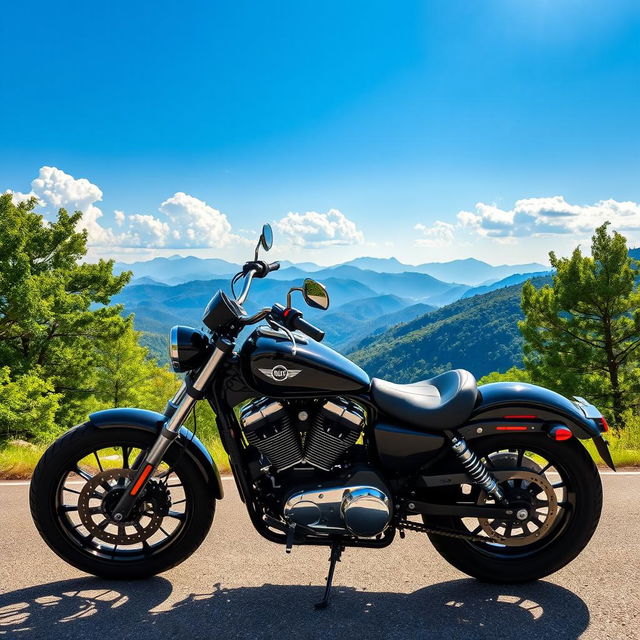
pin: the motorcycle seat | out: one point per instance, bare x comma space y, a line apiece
443, 402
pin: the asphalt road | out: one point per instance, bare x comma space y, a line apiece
238, 585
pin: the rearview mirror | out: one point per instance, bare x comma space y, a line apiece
315, 294
266, 237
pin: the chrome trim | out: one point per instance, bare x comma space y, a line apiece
344, 412
590, 411
254, 414
370, 511
246, 286
325, 507
173, 343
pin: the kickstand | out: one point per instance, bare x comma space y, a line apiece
336, 552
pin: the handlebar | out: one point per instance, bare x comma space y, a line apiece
307, 328
290, 318
251, 270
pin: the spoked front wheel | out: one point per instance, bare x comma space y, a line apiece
79, 481
556, 492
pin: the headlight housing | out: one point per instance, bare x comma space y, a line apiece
188, 348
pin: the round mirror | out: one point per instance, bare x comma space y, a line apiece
315, 294
266, 237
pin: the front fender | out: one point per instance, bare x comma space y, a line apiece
152, 422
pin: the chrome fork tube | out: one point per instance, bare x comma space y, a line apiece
183, 402
176, 411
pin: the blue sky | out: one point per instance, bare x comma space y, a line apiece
197, 121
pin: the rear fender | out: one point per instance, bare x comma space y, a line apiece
152, 422
504, 407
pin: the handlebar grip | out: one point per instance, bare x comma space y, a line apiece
274, 266
307, 328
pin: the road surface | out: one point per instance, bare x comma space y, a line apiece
238, 585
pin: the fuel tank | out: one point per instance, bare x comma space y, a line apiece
271, 366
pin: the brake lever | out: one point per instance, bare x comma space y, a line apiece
276, 325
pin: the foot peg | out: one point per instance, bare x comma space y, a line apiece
336, 553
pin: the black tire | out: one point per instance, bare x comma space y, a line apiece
562, 544
46, 485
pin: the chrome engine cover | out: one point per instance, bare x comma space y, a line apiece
362, 510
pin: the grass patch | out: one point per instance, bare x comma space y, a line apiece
17, 462
624, 446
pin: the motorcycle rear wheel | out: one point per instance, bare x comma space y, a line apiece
79, 479
572, 472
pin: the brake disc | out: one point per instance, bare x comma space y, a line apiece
532, 524
98, 500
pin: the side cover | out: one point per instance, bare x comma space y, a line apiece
152, 422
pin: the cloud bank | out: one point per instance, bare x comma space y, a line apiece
313, 229
528, 218
182, 221
548, 216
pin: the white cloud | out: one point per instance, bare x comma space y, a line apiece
313, 229
440, 234
194, 223
548, 216
57, 189
17, 197
184, 221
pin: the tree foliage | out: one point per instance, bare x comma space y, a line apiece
582, 333
54, 310
27, 406
511, 375
127, 377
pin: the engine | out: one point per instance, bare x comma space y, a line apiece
334, 428
355, 501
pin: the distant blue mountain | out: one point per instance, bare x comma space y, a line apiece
516, 278
468, 271
178, 269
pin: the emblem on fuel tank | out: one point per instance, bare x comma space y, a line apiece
279, 373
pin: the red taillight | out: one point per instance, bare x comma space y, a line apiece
560, 433
604, 424
511, 428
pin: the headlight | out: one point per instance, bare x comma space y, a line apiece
188, 348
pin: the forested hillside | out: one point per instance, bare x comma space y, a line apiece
479, 334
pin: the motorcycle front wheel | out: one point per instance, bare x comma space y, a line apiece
77, 484
556, 488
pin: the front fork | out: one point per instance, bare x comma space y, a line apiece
176, 412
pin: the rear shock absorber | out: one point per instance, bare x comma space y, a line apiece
476, 469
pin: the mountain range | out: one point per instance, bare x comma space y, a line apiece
471, 272
401, 325
479, 334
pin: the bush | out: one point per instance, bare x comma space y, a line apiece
27, 407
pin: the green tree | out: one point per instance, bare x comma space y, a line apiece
27, 406
582, 333
127, 377
512, 375
53, 309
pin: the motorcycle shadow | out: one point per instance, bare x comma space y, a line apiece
90, 607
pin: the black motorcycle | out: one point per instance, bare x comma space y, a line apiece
323, 455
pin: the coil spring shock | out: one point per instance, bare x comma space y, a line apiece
476, 469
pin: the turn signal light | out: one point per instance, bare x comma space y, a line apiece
560, 433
